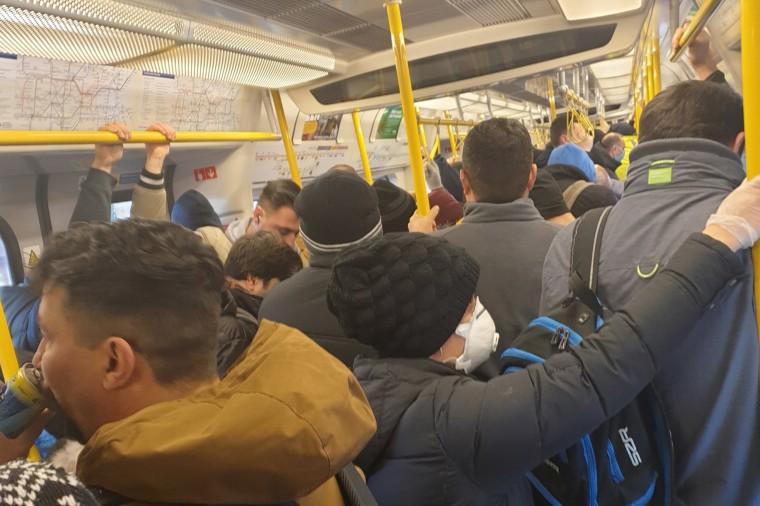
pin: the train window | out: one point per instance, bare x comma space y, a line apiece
11, 264
5, 267
467, 63
121, 205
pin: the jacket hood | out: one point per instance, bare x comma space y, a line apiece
237, 229
695, 163
285, 419
215, 238
193, 210
392, 385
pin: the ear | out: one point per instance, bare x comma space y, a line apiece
531, 179
562, 140
121, 368
738, 142
466, 188
258, 214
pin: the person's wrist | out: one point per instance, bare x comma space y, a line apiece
722, 235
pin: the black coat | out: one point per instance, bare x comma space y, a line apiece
591, 197
447, 439
601, 157
301, 302
235, 332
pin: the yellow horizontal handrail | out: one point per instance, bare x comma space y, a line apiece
703, 15
445, 122
24, 137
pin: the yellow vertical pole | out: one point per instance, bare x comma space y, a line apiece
423, 138
750, 19
645, 81
452, 137
294, 174
650, 71
9, 363
362, 146
552, 99
436, 146
656, 75
407, 104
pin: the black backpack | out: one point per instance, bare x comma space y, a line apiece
628, 459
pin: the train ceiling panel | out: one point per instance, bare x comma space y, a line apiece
491, 12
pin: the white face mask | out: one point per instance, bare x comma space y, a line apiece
480, 338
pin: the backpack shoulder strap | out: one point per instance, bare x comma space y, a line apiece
573, 191
584, 256
353, 487
242, 314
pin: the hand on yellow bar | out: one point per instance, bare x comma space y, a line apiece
700, 55
156, 153
18, 448
106, 155
424, 224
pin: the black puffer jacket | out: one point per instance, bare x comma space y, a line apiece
447, 439
592, 196
237, 326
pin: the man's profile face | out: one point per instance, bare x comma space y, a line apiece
70, 370
283, 223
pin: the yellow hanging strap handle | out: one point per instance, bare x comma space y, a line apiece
9, 364
750, 29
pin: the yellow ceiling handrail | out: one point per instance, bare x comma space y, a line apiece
36, 137
446, 122
703, 15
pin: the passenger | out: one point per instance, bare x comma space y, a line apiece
575, 174
444, 438
685, 164
256, 264
501, 227
396, 206
129, 354
450, 177
450, 210
274, 213
549, 201
609, 153
344, 168
193, 211
20, 304
336, 210
559, 136
700, 57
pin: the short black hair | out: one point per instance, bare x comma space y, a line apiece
497, 158
279, 193
693, 109
153, 283
557, 129
261, 255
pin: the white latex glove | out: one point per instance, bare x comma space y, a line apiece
739, 214
432, 175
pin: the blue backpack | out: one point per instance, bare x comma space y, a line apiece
628, 459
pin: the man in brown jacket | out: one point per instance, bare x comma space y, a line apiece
129, 356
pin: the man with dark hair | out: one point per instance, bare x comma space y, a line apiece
129, 314
559, 136
686, 164
255, 265
501, 227
336, 210
274, 213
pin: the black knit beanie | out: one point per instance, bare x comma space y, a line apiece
404, 294
39, 483
337, 210
396, 206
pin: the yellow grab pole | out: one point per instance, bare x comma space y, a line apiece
423, 139
362, 146
650, 72
282, 122
656, 75
436, 146
750, 19
706, 10
552, 99
645, 82
452, 137
407, 104
9, 364
26, 137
